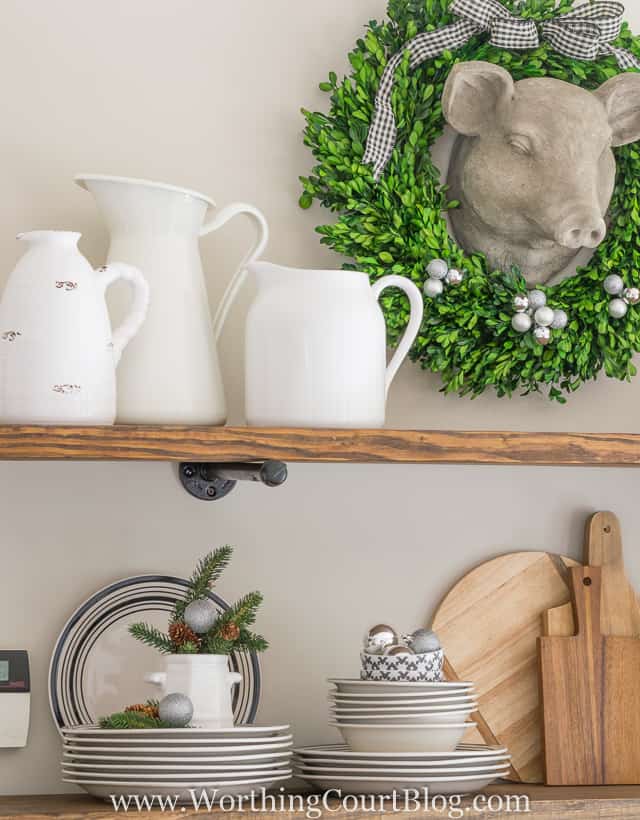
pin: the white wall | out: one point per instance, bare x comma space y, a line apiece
207, 95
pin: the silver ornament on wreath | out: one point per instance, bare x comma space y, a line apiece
532, 313
176, 710
200, 615
623, 296
439, 274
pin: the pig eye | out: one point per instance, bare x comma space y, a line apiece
521, 145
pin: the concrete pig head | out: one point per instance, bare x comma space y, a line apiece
533, 168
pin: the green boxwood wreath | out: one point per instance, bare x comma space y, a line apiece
397, 225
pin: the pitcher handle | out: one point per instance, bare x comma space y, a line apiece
220, 219
415, 320
123, 334
156, 678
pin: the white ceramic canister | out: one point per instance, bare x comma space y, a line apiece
58, 355
315, 352
206, 681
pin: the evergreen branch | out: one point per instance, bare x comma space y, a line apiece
214, 645
131, 720
242, 613
152, 637
209, 569
250, 642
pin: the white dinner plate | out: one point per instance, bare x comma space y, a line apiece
340, 751
395, 737
499, 770
250, 733
183, 793
244, 760
355, 686
97, 666
171, 751
200, 766
115, 740
380, 701
175, 777
364, 785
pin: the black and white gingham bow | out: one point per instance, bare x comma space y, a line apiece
583, 34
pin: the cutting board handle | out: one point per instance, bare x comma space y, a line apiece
586, 590
603, 540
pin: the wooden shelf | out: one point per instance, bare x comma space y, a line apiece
228, 444
581, 803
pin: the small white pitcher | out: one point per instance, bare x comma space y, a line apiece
206, 681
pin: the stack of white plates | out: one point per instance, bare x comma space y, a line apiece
469, 768
398, 716
174, 761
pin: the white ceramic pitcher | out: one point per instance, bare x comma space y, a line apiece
315, 351
170, 374
58, 356
207, 681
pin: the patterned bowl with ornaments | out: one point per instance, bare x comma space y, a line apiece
425, 666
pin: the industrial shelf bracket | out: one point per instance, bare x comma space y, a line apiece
211, 482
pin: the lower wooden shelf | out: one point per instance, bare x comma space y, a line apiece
503, 800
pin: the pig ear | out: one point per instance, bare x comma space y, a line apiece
621, 98
474, 96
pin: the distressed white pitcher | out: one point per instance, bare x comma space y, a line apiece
58, 356
170, 374
206, 681
315, 352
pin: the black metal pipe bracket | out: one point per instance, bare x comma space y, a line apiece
211, 482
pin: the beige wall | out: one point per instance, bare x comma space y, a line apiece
207, 94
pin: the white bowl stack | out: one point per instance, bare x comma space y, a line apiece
402, 735
140, 762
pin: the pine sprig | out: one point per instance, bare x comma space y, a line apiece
132, 720
153, 637
209, 569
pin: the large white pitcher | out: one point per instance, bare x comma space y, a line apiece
315, 351
170, 374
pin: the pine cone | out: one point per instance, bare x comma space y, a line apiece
181, 634
145, 709
230, 632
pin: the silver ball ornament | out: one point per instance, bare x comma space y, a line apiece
521, 323
618, 308
542, 335
455, 277
423, 640
560, 320
537, 299
544, 316
631, 296
201, 615
379, 638
433, 288
398, 649
176, 710
520, 303
613, 284
437, 269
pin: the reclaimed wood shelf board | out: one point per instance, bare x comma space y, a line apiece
243, 444
584, 803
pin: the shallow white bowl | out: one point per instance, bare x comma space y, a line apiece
403, 737
356, 686
393, 702
404, 718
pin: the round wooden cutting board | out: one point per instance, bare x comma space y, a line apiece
489, 625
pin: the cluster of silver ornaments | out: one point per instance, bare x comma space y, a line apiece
622, 296
176, 710
439, 274
201, 615
384, 640
533, 313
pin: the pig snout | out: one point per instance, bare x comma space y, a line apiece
582, 228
